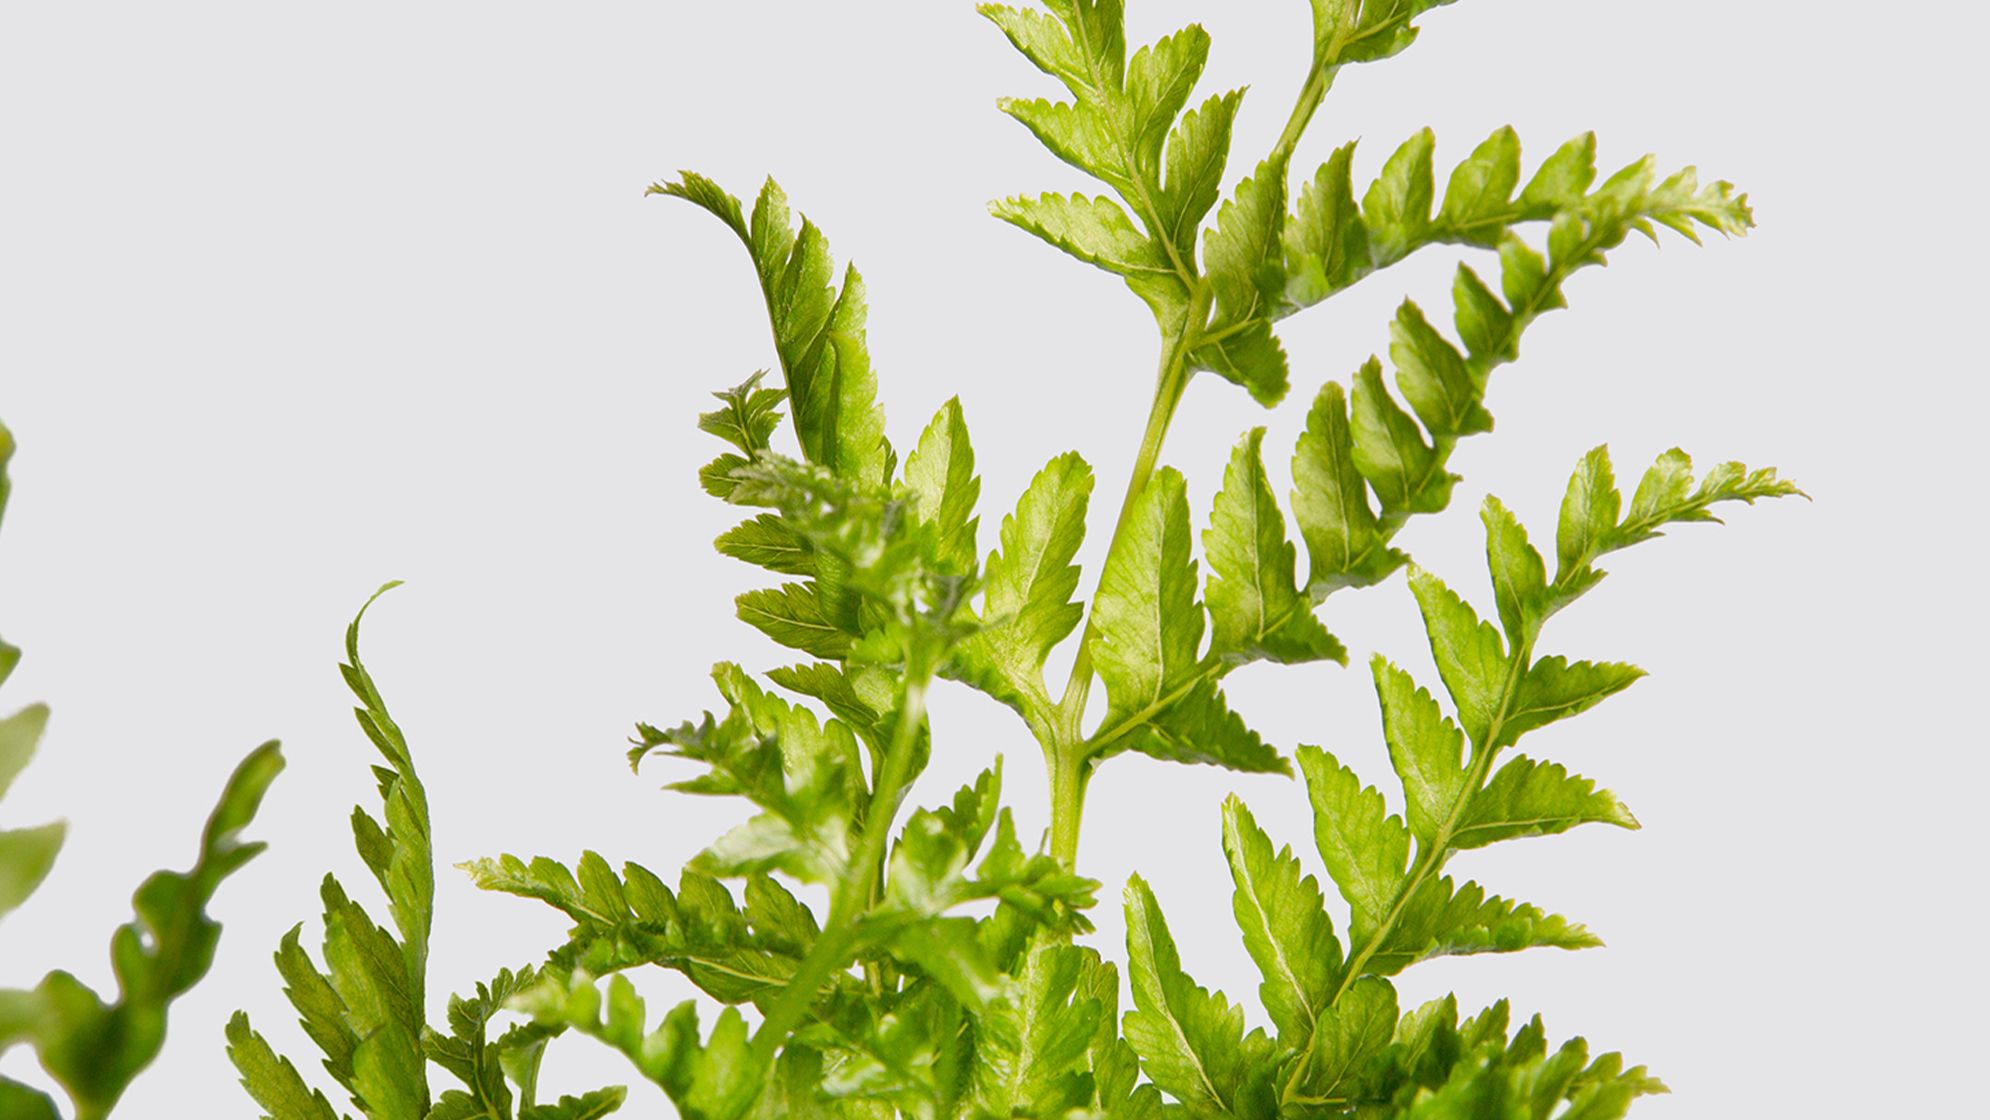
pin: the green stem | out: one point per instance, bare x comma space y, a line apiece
1068, 775
1314, 92
854, 891
1065, 754
1431, 862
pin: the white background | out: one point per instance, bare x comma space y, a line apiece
301, 298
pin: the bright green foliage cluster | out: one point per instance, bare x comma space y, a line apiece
365, 1009
873, 958
92, 1048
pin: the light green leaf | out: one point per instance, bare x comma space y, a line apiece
1030, 1051
1470, 656
1285, 925
1159, 81
1242, 251
1426, 748
1484, 323
26, 855
1589, 516
1366, 850
272, 1082
940, 474
1564, 177
1344, 543
1198, 151
792, 615
1376, 29
1190, 1041
1256, 610
1442, 920
1149, 624
1556, 688
1193, 725
19, 733
1480, 192
1028, 584
1351, 1031
818, 330
1390, 452
769, 542
749, 417
1434, 377
1397, 205
1326, 242
1520, 580
1097, 231
1528, 798
1251, 357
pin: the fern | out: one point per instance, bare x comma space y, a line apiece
93, 1048
871, 957
365, 1008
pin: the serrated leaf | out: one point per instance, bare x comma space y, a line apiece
1390, 452
1520, 579
1190, 1041
1563, 177
1556, 688
792, 615
1285, 925
1377, 29
1192, 725
1256, 610
1350, 1032
1097, 231
1030, 1051
1198, 150
1434, 377
1427, 749
1470, 656
272, 1082
1344, 543
1442, 920
1484, 323
940, 474
1589, 515
1241, 253
748, 417
1149, 626
588, 1106
1028, 584
1159, 81
1251, 358
1528, 798
818, 329
1397, 205
1480, 192
1326, 243
769, 542
1366, 850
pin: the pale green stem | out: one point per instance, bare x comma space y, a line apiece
1069, 768
854, 891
